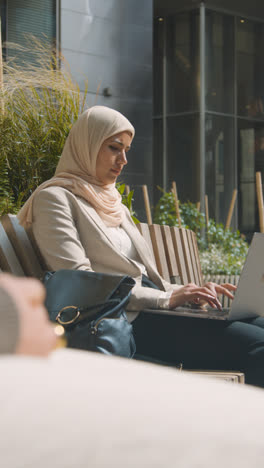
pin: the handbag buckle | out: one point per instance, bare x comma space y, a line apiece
77, 311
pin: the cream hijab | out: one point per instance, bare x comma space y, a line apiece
76, 170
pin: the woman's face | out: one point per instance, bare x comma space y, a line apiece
112, 157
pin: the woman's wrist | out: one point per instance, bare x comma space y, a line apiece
164, 300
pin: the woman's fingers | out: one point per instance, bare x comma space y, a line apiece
221, 289
190, 293
208, 293
213, 301
230, 286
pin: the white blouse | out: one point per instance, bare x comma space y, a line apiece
127, 248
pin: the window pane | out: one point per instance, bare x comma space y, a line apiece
183, 155
250, 160
250, 68
220, 175
33, 17
183, 62
219, 62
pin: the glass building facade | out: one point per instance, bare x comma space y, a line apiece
209, 109
22, 20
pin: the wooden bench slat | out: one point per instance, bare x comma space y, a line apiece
170, 255
159, 251
8, 260
144, 231
179, 254
197, 257
193, 256
187, 257
22, 246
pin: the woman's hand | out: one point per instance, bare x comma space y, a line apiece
201, 294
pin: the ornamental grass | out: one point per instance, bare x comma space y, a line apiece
39, 102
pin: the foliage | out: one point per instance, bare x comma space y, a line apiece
222, 251
39, 102
127, 200
230, 241
215, 260
165, 213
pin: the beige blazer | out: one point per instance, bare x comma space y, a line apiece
70, 234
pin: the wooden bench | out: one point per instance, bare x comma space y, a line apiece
20, 256
175, 253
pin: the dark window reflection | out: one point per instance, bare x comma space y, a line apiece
219, 62
29, 18
158, 51
183, 62
250, 161
158, 153
3, 25
234, 86
250, 68
183, 155
219, 170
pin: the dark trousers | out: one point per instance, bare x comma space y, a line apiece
203, 343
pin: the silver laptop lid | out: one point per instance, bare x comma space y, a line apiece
249, 297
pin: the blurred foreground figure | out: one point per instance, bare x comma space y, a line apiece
24, 324
77, 409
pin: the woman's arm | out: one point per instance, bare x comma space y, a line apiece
57, 237
56, 233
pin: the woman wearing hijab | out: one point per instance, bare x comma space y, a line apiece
79, 222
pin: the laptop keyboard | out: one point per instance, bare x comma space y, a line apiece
205, 308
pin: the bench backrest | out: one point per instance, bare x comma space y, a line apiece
175, 251
8, 258
18, 253
177, 257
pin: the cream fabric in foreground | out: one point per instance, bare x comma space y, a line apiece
79, 409
76, 170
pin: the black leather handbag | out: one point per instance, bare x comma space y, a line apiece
91, 308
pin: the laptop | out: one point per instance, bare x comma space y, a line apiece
249, 296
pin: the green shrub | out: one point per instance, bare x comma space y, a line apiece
216, 260
165, 213
230, 241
